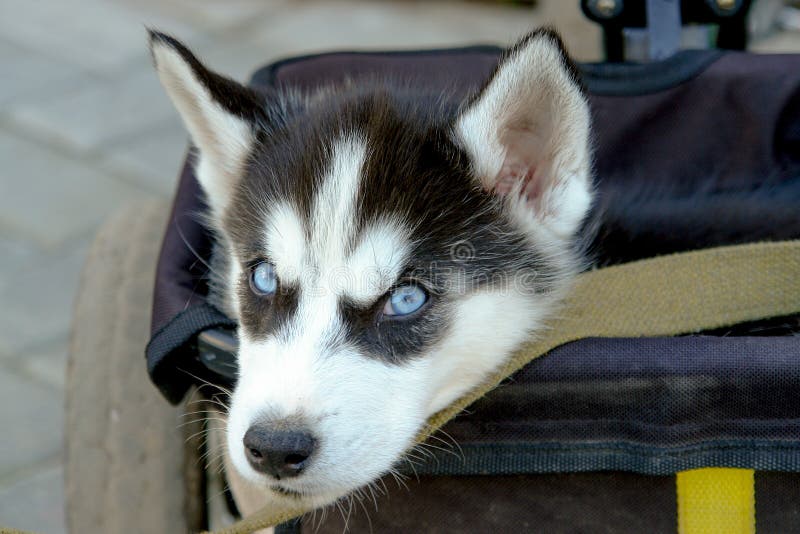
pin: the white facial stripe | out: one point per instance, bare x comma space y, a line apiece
323, 265
333, 217
315, 325
377, 262
286, 242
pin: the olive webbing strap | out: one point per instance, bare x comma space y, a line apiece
663, 296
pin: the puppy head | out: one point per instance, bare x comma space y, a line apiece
382, 255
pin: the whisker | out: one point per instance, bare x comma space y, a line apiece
445, 450
202, 413
385, 489
372, 487
196, 434
210, 400
360, 497
413, 468
399, 478
185, 423
193, 251
340, 508
349, 511
452, 440
206, 382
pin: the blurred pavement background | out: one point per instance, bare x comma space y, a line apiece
85, 128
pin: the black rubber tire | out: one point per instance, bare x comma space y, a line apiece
125, 455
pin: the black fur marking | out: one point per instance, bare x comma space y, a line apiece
265, 316
395, 341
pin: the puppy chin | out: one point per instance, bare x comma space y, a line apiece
292, 494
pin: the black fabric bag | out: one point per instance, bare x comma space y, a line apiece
588, 438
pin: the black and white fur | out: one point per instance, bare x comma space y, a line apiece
353, 190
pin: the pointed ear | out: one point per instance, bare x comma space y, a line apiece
222, 117
527, 133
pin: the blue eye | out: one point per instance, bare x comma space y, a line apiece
405, 300
263, 280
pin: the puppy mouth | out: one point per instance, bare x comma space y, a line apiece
287, 492
312, 496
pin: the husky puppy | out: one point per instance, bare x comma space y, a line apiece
381, 254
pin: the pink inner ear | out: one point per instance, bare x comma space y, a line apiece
525, 178
520, 171
513, 175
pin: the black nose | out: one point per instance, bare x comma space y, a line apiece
280, 453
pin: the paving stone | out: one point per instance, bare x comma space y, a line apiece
32, 422
52, 198
35, 503
37, 304
94, 34
321, 26
48, 364
153, 157
99, 113
237, 57
27, 73
318, 26
218, 17
15, 253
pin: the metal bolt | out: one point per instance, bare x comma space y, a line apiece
607, 7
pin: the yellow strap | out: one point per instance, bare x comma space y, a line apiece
664, 296
716, 500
